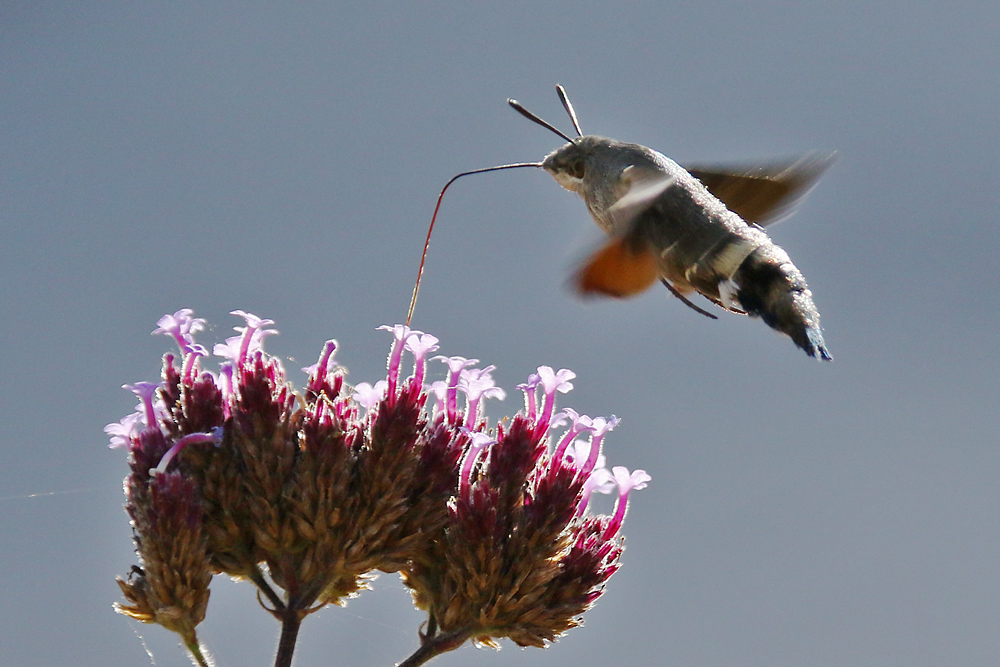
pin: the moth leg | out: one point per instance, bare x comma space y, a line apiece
730, 309
685, 300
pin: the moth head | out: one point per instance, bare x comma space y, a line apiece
568, 165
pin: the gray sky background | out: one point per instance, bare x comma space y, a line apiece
286, 161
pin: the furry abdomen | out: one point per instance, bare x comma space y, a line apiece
771, 288
705, 247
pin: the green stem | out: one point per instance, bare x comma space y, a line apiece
432, 626
192, 645
290, 622
257, 577
435, 646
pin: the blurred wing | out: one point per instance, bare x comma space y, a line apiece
618, 268
764, 194
643, 189
625, 265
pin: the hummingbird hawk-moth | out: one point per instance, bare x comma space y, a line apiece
699, 229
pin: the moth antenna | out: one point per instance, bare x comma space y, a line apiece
535, 119
568, 106
427, 243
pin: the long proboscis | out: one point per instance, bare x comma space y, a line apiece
427, 243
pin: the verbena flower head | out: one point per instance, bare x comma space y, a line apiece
308, 493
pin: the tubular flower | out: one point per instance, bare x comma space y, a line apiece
307, 494
518, 556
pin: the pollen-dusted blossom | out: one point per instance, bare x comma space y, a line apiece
307, 494
171, 586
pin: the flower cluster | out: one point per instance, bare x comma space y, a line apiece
307, 494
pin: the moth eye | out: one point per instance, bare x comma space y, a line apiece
576, 169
